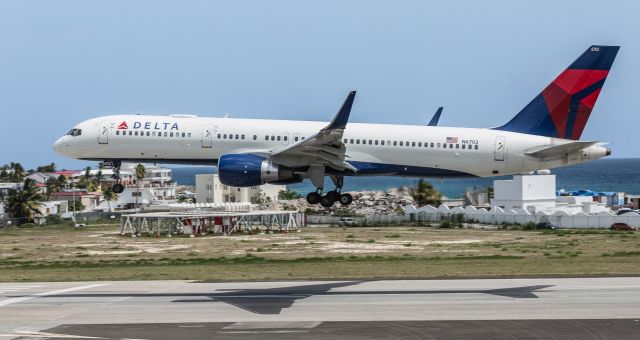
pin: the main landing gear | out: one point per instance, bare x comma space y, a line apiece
331, 197
118, 188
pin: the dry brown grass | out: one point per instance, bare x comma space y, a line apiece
99, 253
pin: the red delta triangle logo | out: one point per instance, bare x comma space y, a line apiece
123, 126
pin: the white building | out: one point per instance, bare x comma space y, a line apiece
536, 193
210, 190
525, 191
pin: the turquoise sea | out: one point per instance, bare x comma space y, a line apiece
615, 174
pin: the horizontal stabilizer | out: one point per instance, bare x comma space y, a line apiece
558, 150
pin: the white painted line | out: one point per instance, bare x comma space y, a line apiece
53, 292
47, 335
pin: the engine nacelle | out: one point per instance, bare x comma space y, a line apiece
246, 170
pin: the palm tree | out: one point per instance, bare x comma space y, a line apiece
24, 204
62, 181
52, 186
140, 173
18, 171
424, 193
109, 196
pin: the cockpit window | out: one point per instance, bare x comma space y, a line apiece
75, 132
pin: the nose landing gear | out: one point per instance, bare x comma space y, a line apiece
118, 188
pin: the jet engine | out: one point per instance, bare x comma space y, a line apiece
247, 170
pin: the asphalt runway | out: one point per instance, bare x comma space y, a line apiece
566, 308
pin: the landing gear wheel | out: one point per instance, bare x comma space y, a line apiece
118, 188
345, 199
335, 195
327, 201
313, 198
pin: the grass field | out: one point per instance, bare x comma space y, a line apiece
59, 253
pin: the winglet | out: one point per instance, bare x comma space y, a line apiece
436, 117
342, 117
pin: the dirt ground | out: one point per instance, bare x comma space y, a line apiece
99, 252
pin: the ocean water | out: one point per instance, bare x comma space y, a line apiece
614, 174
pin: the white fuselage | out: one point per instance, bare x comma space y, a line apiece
375, 149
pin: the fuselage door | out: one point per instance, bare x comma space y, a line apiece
207, 136
498, 153
103, 134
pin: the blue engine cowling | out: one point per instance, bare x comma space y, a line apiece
247, 170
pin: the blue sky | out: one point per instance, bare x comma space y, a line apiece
62, 62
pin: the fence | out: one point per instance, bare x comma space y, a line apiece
520, 216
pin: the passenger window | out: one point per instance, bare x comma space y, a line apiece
395, 143
464, 146
255, 137
148, 133
407, 144
153, 133
420, 144
381, 142
285, 138
376, 142
224, 136
273, 138
117, 132
166, 134
183, 135
357, 141
476, 147
444, 145
171, 134
413, 143
295, 139
370, 142
450, 146
431, 144
242, 137
302, 137
278, 138
351, 141
189, 134
400, 143
266, 137
237, 137
345, 141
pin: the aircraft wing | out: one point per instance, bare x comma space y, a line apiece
436, 117
322, 148
554, 151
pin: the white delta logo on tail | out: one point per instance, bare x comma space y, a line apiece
545, 134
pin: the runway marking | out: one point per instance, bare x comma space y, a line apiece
273, 324
50, 293
13, 289
263, 332
47, 335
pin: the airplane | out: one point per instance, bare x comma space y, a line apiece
436, 117
545, 134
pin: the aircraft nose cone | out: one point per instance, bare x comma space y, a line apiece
58, 146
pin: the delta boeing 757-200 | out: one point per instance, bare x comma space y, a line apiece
251, 152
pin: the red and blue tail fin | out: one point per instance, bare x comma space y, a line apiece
563, 107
